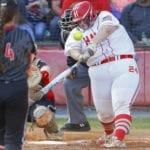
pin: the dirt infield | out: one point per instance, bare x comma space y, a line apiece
35, 140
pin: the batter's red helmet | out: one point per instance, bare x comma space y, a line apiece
82, 10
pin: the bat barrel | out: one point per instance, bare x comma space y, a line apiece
58, 79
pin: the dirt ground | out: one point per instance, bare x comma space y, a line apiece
35, 140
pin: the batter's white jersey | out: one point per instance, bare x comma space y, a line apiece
113, 45
113, 70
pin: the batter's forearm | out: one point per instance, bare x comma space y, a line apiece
103, 33
75, 54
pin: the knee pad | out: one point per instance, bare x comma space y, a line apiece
42, 116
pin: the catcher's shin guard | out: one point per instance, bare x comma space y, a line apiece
42, 115
52, 126
51, 130
45, 118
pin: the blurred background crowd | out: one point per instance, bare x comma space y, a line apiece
42, 17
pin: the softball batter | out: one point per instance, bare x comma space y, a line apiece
112, 69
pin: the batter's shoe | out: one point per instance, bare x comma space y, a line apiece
115, 143
84, 126
105, 139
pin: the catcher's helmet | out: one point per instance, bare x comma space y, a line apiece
82, 10
65, 21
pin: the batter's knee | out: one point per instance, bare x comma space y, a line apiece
105, 117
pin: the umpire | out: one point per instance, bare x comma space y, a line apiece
74, 84
15, 50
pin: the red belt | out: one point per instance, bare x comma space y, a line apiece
114, 58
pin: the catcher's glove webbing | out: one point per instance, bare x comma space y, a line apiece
34, 76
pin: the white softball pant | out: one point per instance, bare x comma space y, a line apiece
114, 87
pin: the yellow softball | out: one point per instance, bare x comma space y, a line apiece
78, 35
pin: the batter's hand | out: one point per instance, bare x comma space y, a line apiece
92, 48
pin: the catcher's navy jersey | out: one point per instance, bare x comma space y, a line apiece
18, 45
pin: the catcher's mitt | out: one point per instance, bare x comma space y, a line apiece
42, 115
34, 76
35, 93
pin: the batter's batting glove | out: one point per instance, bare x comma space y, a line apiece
90, 52
92, 48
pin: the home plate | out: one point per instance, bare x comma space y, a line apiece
47, 142
58, 142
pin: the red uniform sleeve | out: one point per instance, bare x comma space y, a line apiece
45, 81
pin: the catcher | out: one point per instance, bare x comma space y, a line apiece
42, 110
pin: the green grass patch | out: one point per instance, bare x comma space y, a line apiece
140, 123
137, 123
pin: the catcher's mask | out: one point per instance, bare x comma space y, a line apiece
66, 22
83, 14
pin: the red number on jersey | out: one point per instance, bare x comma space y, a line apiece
133, 69
9, 53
